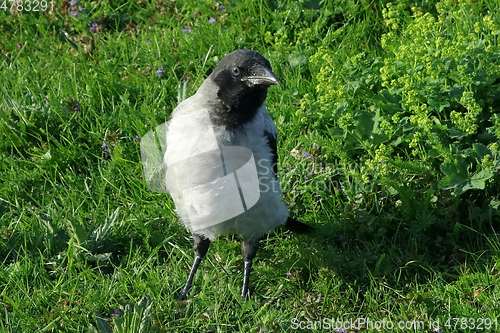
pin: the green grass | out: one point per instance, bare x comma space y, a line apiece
402, 184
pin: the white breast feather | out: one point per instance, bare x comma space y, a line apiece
190, 133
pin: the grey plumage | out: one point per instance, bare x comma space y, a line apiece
228, 111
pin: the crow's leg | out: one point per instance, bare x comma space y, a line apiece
201, 245
248, 249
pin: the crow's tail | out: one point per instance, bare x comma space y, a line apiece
298, 227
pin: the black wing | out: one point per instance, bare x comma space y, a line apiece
271, 138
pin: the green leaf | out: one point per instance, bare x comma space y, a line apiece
102, 324
79, 234
102, 232
341, 108
456, 133
494, 203
456, 91
479, 179
480, 151
181, 91
376, 122
396, 142
457, 176
365, 125
387, 101
438, 105
136, 318
455, 171
434, 153
66, 37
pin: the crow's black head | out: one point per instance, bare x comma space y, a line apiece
242, 79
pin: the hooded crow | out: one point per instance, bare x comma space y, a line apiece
221, 160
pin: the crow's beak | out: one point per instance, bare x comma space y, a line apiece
263, 77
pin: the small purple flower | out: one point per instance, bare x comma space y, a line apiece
383, 198
288, 274
107, 155
186, 30
307, 155
73, 2
116, 313
149, 28
160, 72
222, 9
104, 144
212, 20
308, 174
382, 162
77, 107
73, 13
148, 41
196, 14
341, 238
437, 330
18, 45
93, 27
137, 138
81, 9
141, 176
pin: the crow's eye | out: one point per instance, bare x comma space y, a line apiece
236, 71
